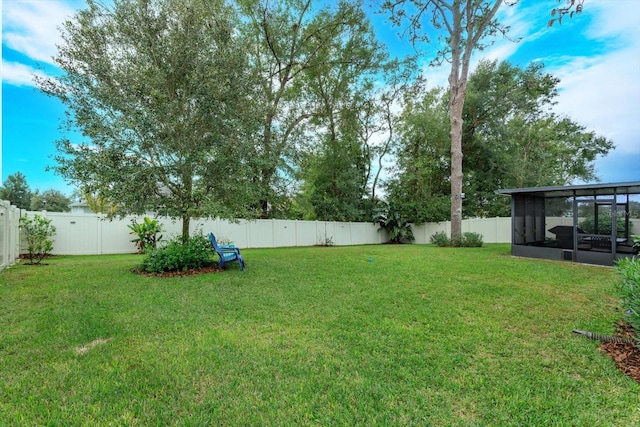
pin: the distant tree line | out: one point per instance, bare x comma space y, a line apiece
15, 189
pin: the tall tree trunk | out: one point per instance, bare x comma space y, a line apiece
457, 90
463, 22
456, 165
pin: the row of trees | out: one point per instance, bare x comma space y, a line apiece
197, 108
16, 190
511, 139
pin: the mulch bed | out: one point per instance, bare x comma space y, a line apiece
190, 272
625, 356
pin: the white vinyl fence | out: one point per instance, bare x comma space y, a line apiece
493, 230
9, 234
84, 234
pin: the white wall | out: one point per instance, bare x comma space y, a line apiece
9, 234
493, 230
84, 234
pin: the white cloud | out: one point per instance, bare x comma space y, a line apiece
597, 58
605, 96
31, 26
599, 88
602, 91
619, 18
18, 74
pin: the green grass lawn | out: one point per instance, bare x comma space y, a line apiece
313, 336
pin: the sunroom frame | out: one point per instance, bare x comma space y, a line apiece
546, 222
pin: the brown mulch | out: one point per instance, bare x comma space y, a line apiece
190, 272
625, 356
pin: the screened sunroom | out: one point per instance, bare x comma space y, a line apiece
591, 223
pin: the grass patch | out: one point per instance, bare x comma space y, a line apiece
313, 336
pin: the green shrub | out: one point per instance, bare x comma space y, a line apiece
38, 233
604, 225
472, 240
147, 234
458, 241
177, 255
467, 240
397, 227
440, 239
629, 289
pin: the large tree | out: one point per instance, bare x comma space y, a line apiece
419, 187
461, 27
50, 200
341, 88
294, 41
511, 139
161, 90
16, 191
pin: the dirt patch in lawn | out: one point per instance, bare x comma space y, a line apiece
85, 348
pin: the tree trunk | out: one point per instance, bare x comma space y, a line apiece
457, 89
456, 170
185, 227
456, 104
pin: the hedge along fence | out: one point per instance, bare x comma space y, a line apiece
89, 234
9, 234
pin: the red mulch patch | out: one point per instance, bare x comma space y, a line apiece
626, 356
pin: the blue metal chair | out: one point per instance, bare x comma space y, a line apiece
226, 253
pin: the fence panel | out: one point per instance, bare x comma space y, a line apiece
284, 233
4, 234
76, 234
79, 234
9, 234
423, 232
307, 233
84, 234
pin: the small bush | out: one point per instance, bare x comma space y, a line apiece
466, 240
440, 239
604, 225
473, 240
147, 234
38, 233
629, 289
397, 227
195, 253
458, 241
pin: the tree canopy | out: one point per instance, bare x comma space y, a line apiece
460, 28
16, 190
50, 200
162, 91
311, 62
511, 139
247, 108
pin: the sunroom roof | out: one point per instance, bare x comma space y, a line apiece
577, 190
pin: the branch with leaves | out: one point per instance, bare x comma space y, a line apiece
571, 7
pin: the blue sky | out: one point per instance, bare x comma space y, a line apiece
596, 55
